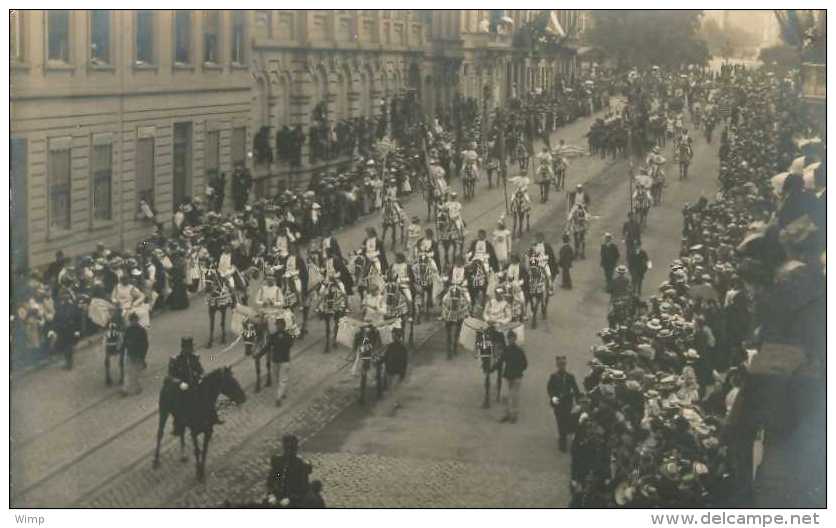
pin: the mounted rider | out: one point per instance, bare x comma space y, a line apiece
185, 372
481, 249
579, 197
512, 280
401, 272
454, 211
470, 160
373, 251
428, 247
497, 313
544, 253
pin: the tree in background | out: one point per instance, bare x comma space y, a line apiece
781, 58
731, 41
646, 37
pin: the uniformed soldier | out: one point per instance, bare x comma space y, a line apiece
562, 389
185, 371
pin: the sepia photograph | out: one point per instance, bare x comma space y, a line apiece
283, 259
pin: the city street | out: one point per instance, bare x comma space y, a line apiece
77, 443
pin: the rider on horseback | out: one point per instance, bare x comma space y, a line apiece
186, 372
470, 160
401, 273
512, 279
481, 249
546, 258
497, 313
454, 211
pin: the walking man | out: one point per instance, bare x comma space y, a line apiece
512, 364
565, 258
563, 389
639, 263
288, 482
609, 259
278, 346
135, 346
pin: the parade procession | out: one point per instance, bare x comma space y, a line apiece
301, 258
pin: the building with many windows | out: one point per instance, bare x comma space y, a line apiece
110, 109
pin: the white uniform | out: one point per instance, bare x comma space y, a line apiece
454, 209
401, 271
269, 297
502, 245
480, 252
497, 311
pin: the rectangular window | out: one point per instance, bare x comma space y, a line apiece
183, 37
102, 181
144, 168
263, 24
15, 36
213, 159
100, 37
211, 36
59, 187
182, 162
58, 28
145, 37
238, 43
239, 146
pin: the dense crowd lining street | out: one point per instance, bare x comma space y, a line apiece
59, 448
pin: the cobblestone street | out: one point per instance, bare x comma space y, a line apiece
90, 447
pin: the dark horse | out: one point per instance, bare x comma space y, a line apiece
536, 291
198, 412
253, 334
219, 298
489, 351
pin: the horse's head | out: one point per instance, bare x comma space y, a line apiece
229, 386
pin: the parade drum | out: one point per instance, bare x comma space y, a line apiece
518, 329
239, 314
386, 329
100, 311
467, 337
346, 331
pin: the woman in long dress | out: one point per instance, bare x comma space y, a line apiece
179, 298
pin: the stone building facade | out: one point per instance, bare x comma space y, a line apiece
109, 108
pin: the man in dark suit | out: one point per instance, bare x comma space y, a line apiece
512, 365
278, 348
638, 263
562, 389
565, 259
287, 482
609, 258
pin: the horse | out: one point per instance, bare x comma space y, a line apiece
114, 333
198, 412
397, 305
455, 307
422, 271
476, 277
657, 174
520, 211
578, 225
641, 204
254, 333
469, 177
331, 305
369, 354
449, 235
219, 298
392, 218
489, 354
684, 153
535, 288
